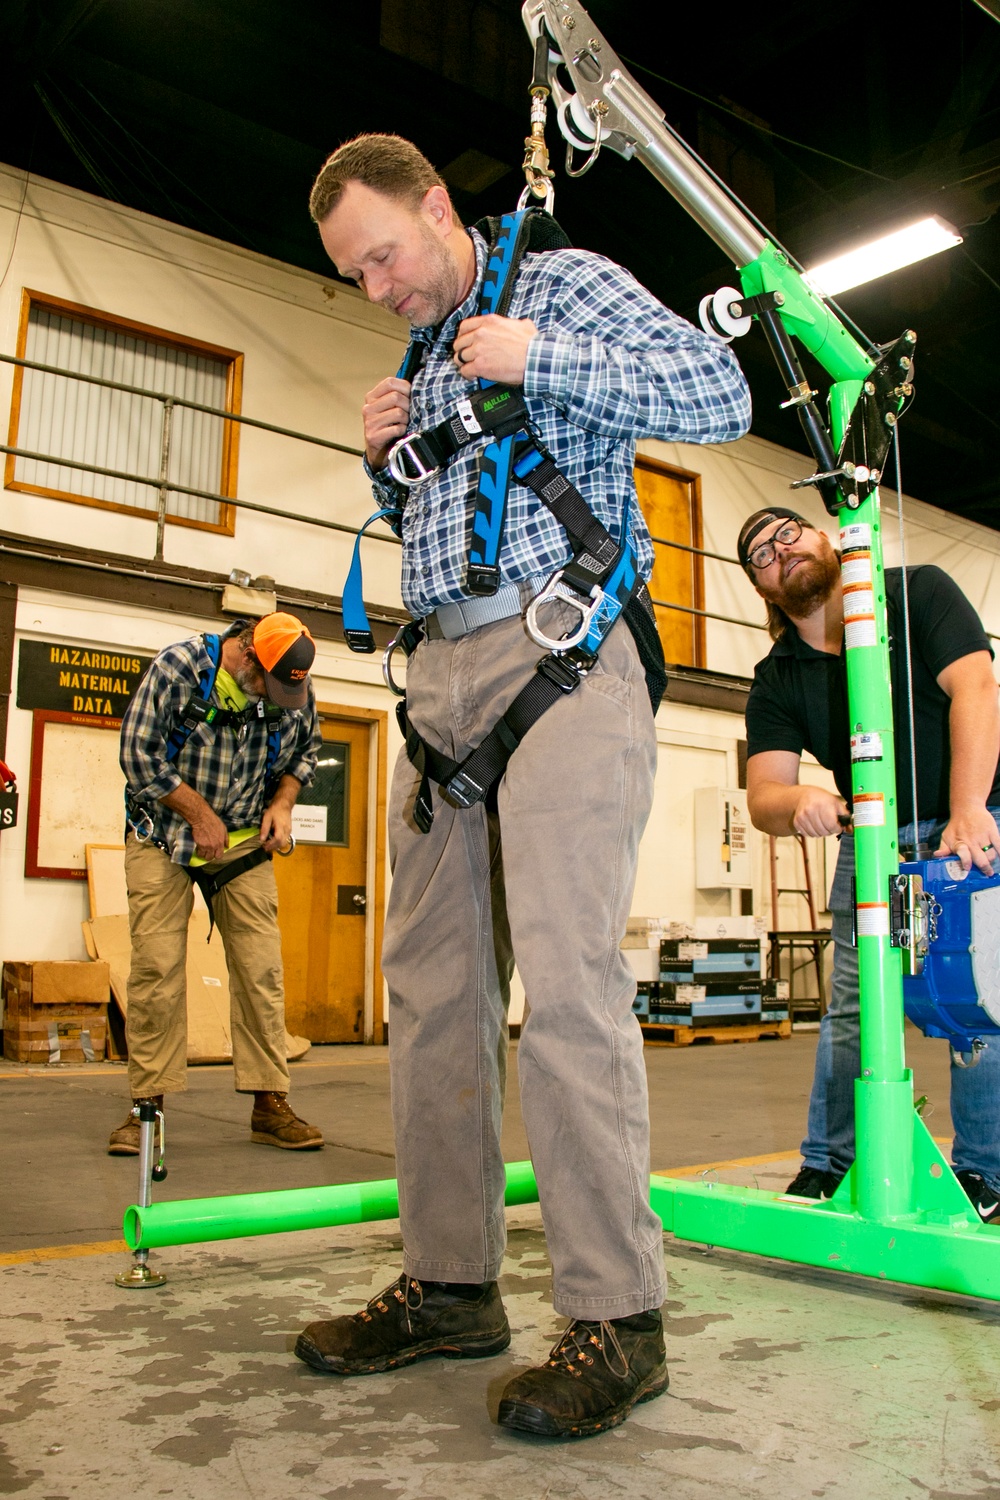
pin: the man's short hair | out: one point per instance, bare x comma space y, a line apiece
385, 163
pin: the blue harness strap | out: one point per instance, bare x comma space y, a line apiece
496, 461
199, 710
357, 630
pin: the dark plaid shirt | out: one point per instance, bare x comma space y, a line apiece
224, 765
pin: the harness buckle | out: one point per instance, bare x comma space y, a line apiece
556, 589
411, 450
463, 790
561, 672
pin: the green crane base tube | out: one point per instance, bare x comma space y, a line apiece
194, 1221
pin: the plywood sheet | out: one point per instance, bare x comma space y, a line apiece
209, 1035
106, 879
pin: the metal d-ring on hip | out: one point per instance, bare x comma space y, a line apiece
387, 677
553, 590
290, 848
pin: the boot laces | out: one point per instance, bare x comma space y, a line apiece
580, 1344
380, 1303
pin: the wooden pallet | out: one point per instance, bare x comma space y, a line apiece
685, 1036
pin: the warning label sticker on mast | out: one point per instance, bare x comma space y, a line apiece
860, 631
856, 535
869, 810
866, 746
857, 568
858, 600
873, 919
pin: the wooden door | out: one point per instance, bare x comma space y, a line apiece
671, 502
322, 893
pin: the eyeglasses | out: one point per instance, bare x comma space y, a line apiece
763, 556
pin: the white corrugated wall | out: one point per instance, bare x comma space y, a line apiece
115, 430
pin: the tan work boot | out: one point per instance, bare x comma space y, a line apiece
274, 1123
125, 1140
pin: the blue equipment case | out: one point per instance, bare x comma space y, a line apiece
957, 994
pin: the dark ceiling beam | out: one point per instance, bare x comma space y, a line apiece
975, 83
41, 35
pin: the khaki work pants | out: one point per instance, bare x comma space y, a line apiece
547, 880
160, 897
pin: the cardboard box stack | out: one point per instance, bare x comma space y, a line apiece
55, 1011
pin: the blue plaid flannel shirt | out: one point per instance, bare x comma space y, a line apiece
223, 765
610, 365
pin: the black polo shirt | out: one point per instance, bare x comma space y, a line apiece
798, 700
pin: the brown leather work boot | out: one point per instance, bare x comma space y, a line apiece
125, 1140
274, 1123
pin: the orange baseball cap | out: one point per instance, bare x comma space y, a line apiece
286, 651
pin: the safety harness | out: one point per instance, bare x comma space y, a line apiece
201, 710
600, 582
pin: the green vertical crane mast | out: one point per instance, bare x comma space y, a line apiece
899, 1214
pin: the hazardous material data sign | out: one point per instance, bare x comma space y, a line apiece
78, 679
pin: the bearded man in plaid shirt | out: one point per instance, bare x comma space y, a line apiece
542, 872
210, 788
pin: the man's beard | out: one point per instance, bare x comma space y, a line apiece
248, 680
809, 586
438, 296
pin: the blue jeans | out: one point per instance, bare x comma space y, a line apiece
975, 1092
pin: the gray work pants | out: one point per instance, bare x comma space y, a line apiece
547, 881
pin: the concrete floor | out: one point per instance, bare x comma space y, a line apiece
785, 1382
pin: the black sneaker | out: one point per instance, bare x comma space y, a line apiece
812, 1183
592, 1379
410, 1320
982, 1197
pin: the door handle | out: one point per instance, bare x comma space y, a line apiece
352, 901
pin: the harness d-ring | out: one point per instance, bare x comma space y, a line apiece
554, 590
387, 677
404, 451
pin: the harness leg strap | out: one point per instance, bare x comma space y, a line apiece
211, 884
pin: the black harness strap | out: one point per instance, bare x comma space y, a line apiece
211, 885
467, 782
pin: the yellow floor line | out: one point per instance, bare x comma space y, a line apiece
116, 1070
62, 1252
750, 1161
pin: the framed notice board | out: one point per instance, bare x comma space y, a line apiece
75, 793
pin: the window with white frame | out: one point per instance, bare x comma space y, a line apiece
68, 421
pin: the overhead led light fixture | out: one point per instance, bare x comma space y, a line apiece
904, 247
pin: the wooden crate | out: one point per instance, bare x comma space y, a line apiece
685, 1036
57, 1038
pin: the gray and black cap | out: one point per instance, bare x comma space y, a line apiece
754, 525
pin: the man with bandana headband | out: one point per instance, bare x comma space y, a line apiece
798, 702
